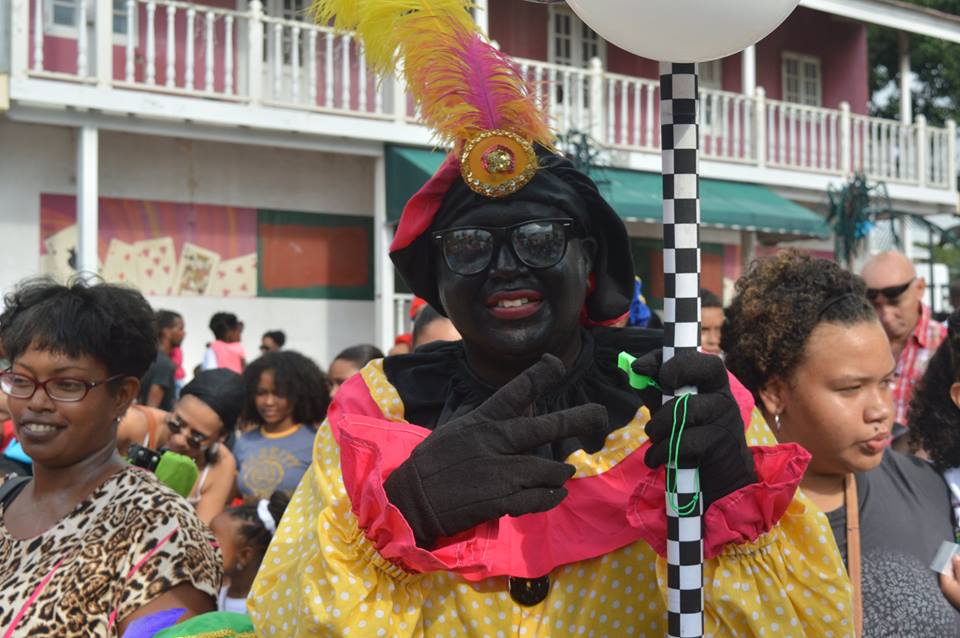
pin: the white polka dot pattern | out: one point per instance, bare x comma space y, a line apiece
321, 577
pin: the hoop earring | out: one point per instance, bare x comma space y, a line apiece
776, 421
213, 448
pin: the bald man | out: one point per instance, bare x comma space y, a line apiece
897, 295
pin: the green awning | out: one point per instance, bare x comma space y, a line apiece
636, 196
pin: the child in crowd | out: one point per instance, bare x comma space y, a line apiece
244, 534
348, 363
225, 351
286, 399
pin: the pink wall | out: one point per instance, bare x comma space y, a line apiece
520, 28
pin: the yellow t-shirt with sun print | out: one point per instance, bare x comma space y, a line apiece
322, 577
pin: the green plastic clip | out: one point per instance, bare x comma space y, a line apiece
637, 381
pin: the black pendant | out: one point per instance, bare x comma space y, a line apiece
529, 591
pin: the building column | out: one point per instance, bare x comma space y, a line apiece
906, 106
382, 266
88, 157
481, 13
748, 250
748, 62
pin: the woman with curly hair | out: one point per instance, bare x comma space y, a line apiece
935, 428
286, 398
806, 342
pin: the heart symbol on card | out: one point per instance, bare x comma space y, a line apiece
166, 269
149, 272
121, 276
226, 292
244, 288
156, 261
127, 257
221, 274
163, 250
240, 269
145, 252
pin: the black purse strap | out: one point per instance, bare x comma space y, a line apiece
10, 489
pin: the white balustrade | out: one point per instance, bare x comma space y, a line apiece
228, 55
189, 61
82, 45
629, 100
151, 70
38, 35
129, 68
208, 55
802, 137
292, 63
170, 74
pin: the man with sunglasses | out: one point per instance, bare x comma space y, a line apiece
896, 293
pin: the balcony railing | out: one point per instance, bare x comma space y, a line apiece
248, 57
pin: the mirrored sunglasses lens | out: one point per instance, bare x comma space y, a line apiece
540, 244
468, 251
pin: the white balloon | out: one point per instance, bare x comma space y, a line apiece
683, 30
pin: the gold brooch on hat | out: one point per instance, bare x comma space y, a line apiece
497, 163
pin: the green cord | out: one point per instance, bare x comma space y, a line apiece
641, 382
673, 454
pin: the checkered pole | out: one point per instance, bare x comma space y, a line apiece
680, 141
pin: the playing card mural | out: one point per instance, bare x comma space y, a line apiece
166, 248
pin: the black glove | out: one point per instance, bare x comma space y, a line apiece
713, 437
474, 468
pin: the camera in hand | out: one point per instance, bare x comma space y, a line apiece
176, 471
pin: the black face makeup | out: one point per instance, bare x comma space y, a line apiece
510, 309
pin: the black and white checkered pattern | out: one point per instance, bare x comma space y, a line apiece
680, 135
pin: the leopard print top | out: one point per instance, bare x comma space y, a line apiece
125, 545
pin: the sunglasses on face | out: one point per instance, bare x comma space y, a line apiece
469, 250
62, 389
194, 439
890, 293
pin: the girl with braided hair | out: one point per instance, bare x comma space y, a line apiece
244, 534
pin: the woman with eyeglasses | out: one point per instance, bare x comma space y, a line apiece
91, 543
286, 400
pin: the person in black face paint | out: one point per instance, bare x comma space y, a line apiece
520, 457
512, 482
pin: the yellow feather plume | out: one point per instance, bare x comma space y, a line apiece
461, 83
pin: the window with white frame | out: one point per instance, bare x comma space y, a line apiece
573, 43
61, 16
802, 83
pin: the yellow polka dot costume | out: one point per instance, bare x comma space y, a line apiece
344, 561
323, 576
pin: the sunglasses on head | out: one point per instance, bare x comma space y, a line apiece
890, 293
469, 250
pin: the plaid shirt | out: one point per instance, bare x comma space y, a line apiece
912, 362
